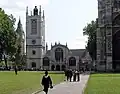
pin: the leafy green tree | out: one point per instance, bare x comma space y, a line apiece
8, 35
90, 30
23, 60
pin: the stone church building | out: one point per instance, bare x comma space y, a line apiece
59, 57
108, 35
35, 38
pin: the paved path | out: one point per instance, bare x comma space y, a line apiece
69, 87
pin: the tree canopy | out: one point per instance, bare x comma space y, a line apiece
8, 35
90, 30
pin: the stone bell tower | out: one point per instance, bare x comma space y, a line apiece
35, 38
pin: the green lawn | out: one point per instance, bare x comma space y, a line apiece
24, 82
103, 84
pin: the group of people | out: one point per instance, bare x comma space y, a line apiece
47, 82
75, 74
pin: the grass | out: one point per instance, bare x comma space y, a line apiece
24, 82
103, 84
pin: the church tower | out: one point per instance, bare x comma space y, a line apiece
35, 38
21, 36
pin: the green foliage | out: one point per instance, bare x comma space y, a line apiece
90, 30
8, 35
23, 60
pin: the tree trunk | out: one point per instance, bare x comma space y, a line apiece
5, 62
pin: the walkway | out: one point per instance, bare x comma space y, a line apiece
69, 87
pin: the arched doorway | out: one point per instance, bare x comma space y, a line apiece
46, 61
33, 65
116, 44
63, 67
116, 51
59, 54
53, 67
57, 67
72, 61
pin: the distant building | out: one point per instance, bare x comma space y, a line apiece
60, 57
21, 36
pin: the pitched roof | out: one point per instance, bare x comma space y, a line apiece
78, 52
64, 46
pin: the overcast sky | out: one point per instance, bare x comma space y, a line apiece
65, 19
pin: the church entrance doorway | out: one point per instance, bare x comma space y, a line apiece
116, 51
53, 67
63, 67
57, 67
116, 43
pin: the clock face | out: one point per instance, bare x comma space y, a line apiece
33, 41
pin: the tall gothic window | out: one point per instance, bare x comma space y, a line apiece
59, 54
33, 26
72, 61
46, 61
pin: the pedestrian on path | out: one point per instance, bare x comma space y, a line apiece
70, 75
46, 82
67, 74
16, 70
74, 77
78, 76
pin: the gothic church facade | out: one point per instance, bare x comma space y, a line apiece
108, 35
60, 57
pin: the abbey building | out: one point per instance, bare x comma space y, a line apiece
108, 35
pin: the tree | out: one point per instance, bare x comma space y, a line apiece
90, 30
7, 35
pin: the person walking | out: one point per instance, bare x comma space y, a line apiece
78, 76
16, 70
74, 77
65, 75
46, 82
70, 75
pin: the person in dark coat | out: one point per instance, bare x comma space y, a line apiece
67, 74
70, 75
74, 77
15, 70
78, 76
46, 82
